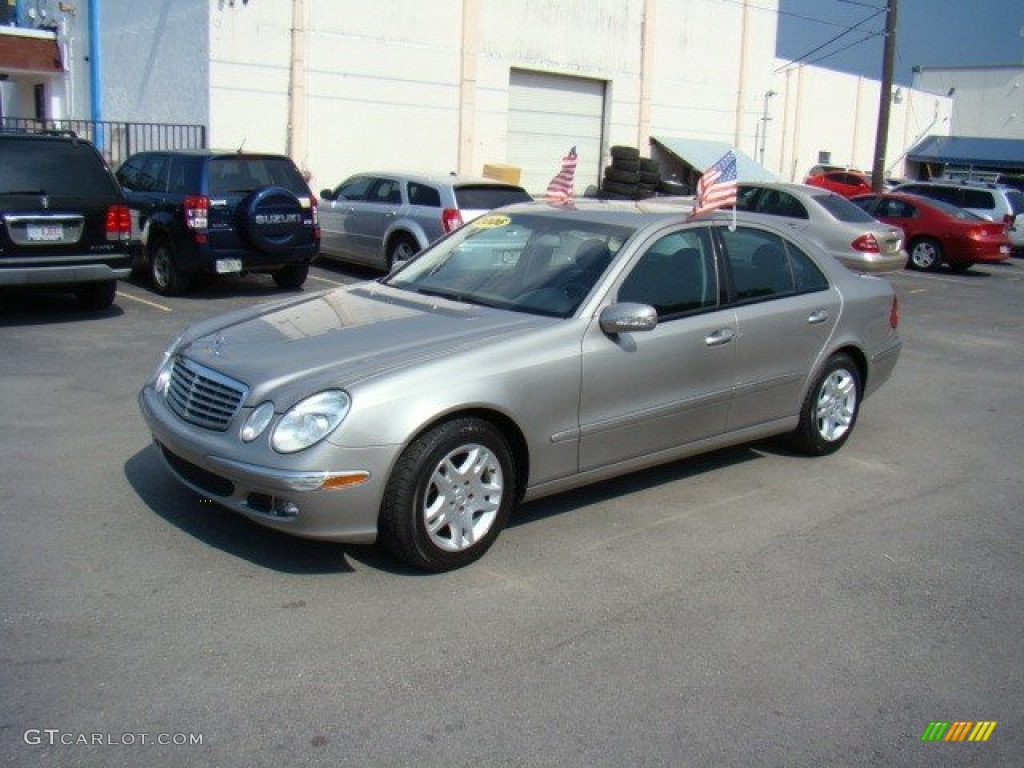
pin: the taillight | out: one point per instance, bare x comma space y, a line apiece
197, 216
451, 219
866, 243
894, 313
314, 205
119, 223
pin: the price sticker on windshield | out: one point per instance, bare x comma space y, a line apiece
493, 221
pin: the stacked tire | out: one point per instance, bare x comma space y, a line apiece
630, 177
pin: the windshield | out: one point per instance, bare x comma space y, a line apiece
523, 262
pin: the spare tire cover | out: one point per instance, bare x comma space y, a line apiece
273, 220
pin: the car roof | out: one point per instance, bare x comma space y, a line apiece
212, 153
974, 184
453, 179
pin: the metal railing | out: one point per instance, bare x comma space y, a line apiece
115, 140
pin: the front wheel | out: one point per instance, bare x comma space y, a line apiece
830, 409
449, 495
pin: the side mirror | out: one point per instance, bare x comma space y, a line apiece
327, 194
628, 318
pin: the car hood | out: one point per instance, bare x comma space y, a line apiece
340, 337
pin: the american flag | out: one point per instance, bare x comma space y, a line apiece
560, 190
717, 185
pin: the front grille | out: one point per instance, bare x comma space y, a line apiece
202, 396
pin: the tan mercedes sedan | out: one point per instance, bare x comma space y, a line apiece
536, 349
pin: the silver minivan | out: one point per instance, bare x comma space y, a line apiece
995, 202
381, 219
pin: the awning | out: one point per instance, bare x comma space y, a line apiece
700, 154
964, 150
20, 53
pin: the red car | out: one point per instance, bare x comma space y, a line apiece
845, 183
938, 233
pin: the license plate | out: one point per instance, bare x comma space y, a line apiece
225, 266
45, 233
1004, 249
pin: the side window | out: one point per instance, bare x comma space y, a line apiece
675, 275
896, 209
385, 191
869, 204
779, 203
759, 264
128, 174
807, 277
421, 194
945, 194
354, 188
153, 177
979, 199
184, 176
746, 198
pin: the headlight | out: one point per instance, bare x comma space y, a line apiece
162, 375
257, 422
310, 421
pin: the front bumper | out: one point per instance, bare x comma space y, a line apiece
295, 499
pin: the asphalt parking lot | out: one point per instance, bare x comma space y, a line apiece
748, 608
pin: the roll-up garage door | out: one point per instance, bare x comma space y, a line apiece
547, 115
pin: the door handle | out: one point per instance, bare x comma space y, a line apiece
817, 316
719, 337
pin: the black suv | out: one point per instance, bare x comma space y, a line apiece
64, 222
216, 212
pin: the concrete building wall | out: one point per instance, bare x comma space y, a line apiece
820, 110
987, 102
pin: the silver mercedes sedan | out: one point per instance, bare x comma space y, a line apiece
534, 350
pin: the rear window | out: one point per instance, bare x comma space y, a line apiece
44, 167
979, 199
843, 209
1016, 201
486, 197
246, 173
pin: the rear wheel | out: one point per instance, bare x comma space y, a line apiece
830, 409
449, 495
292, 276
96, 296
164, 274
926, 254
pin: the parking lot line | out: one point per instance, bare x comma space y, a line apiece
325, 280
162, 307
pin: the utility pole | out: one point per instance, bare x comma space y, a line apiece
885, 97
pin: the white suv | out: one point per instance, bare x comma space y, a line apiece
995, 202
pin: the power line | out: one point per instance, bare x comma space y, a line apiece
829, 42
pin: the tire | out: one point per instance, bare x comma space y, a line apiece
625, 164
650, 166
272, 220
646, 177
830, 409
456, 478
96, 296
618, 188
400, 249
292, 276
166, 278
620, 152
925, 254
617, 175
